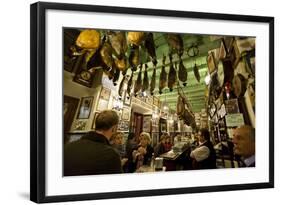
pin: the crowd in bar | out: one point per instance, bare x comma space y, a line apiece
157, 102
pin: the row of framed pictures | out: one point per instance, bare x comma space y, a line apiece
86, 103
124, 115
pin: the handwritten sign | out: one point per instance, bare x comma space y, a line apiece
234, 120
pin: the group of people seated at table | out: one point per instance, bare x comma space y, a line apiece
103, 151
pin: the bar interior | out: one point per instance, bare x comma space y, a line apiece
183, 101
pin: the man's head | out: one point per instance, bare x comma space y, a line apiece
244, 141
106, 123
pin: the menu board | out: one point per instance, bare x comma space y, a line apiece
234, 120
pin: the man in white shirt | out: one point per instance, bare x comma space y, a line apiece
204, 156
244, 144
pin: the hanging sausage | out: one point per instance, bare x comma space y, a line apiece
172, 75
116, 76
138, 85
150, 46
196, 72
121, 86
129, 86
163, 76
153, 81
134, 58
145, 83
182, 73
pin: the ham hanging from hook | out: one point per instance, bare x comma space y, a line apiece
121, 86
116, 76
163, 76
150, 46
196, 72
138, 85
129, 86
175, 42
182, 73
172, 75
134, 58
145, 83
118, 43
153, 80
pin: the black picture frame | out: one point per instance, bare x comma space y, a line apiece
85, 107
38, 101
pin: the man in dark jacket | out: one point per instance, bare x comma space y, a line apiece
204, 156
93, 154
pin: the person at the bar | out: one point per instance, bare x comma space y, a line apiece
244, 144
118, 144
160, 147
93, 154
143, 154
204, 156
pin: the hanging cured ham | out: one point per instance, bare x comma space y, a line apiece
175, 43
196, 72
116, 76
129, 86
153, 81
172, 75
136, 38
88, 39
118, 43
138, 85
150, 46
145, 83
106, 55
163, 76
134, 58
121, 64
121, 86
182, 73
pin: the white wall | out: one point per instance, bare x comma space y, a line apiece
14, 103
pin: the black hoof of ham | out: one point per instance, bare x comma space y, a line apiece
171, 89
184, 84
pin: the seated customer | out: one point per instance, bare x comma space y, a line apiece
168, 144
204, 156
143, 154
92, 154
118, 144
160, 147
244, 144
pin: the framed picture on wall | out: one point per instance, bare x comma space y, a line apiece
48, 20
94, 120
105, 93
102, 105
126, 113
85, 107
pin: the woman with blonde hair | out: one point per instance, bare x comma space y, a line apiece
143, 153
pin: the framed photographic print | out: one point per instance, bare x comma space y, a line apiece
102, 105
94, 120
126, 113
85, 107
105, 93
48, 22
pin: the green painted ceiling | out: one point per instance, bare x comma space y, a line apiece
194, 90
